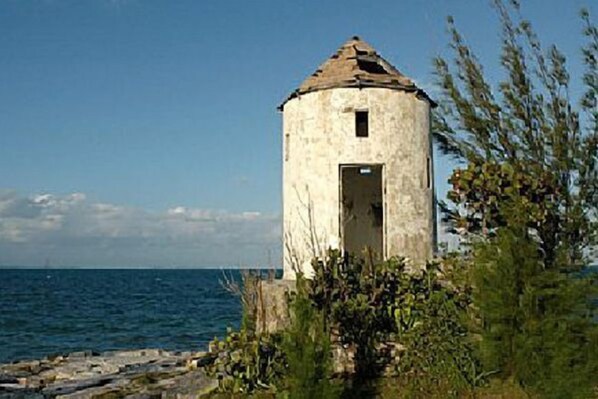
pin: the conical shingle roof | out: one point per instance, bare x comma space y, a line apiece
356, 64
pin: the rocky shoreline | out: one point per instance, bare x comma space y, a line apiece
134, 374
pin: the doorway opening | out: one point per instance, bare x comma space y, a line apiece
362, 210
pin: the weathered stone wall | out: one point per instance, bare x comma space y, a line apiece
319, 135
272, 308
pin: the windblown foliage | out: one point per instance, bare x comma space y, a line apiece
530, 123
537, 326
528, 203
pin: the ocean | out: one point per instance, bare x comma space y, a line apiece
50, 311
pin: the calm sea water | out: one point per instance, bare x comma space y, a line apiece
44, 312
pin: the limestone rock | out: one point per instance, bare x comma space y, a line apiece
139, 374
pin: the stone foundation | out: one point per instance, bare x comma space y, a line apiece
272, 306
273, 316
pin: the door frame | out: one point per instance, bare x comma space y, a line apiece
340, 203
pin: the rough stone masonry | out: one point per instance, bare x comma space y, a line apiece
357, 162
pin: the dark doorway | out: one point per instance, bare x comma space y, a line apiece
362, 213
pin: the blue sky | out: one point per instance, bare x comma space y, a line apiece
119, 116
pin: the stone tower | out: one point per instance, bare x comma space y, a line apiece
357, 162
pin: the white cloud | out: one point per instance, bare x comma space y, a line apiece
72, 230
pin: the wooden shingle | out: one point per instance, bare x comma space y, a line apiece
356, 64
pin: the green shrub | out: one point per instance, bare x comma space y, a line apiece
306, 345
374, 305
360, 301
246, 362
537, 326
408, 323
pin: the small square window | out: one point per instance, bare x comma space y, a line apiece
361, 124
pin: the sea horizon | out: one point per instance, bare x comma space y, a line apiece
45, 312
